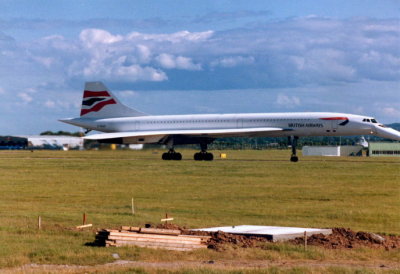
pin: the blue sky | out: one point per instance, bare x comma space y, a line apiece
176, 57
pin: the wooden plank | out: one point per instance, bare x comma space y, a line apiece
84, 226
160, 245
167, 219
153, 240
191, 240
195, 236
155, 247
159, 237
206, 238
160, 231
134, 234
130, 228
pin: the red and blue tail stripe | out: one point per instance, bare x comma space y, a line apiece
94, 101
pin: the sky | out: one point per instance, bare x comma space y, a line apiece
185, 57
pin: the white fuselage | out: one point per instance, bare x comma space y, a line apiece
295, 124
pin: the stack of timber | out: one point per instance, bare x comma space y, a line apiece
150, 237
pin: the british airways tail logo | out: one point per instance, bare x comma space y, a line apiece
94, 101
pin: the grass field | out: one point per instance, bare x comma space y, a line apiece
250, 187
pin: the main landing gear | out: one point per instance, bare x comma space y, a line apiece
293, 143
172, 155
203, 155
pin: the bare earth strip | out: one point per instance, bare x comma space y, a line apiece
121, 265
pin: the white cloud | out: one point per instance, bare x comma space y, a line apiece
25, 97
292, 53
116, 71
92, 37
177, 37
233, 61
144, 53
287, 101
2, 91
166, 60
169, 61
133, 57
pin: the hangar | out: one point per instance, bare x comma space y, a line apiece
332, 150
54, 142
384, 149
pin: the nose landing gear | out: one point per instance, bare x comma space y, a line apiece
293, 143
294, 158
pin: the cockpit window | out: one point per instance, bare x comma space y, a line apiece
369, 120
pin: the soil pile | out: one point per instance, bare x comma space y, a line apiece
219, 240
340, 238
347, 238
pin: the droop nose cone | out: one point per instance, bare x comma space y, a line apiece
388, 133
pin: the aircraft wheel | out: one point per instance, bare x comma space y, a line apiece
294, 158
198, 156
166, 156
176, 156
208, 156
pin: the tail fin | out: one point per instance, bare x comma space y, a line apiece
99, 102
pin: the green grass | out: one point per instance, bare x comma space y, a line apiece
250, 187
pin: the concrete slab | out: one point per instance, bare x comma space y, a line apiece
274, 233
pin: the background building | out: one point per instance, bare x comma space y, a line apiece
54, 142
384, 149
332, 150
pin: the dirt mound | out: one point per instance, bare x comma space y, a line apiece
220, 239
340, 238
347, 238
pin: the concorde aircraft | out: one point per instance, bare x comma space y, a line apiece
102, 111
